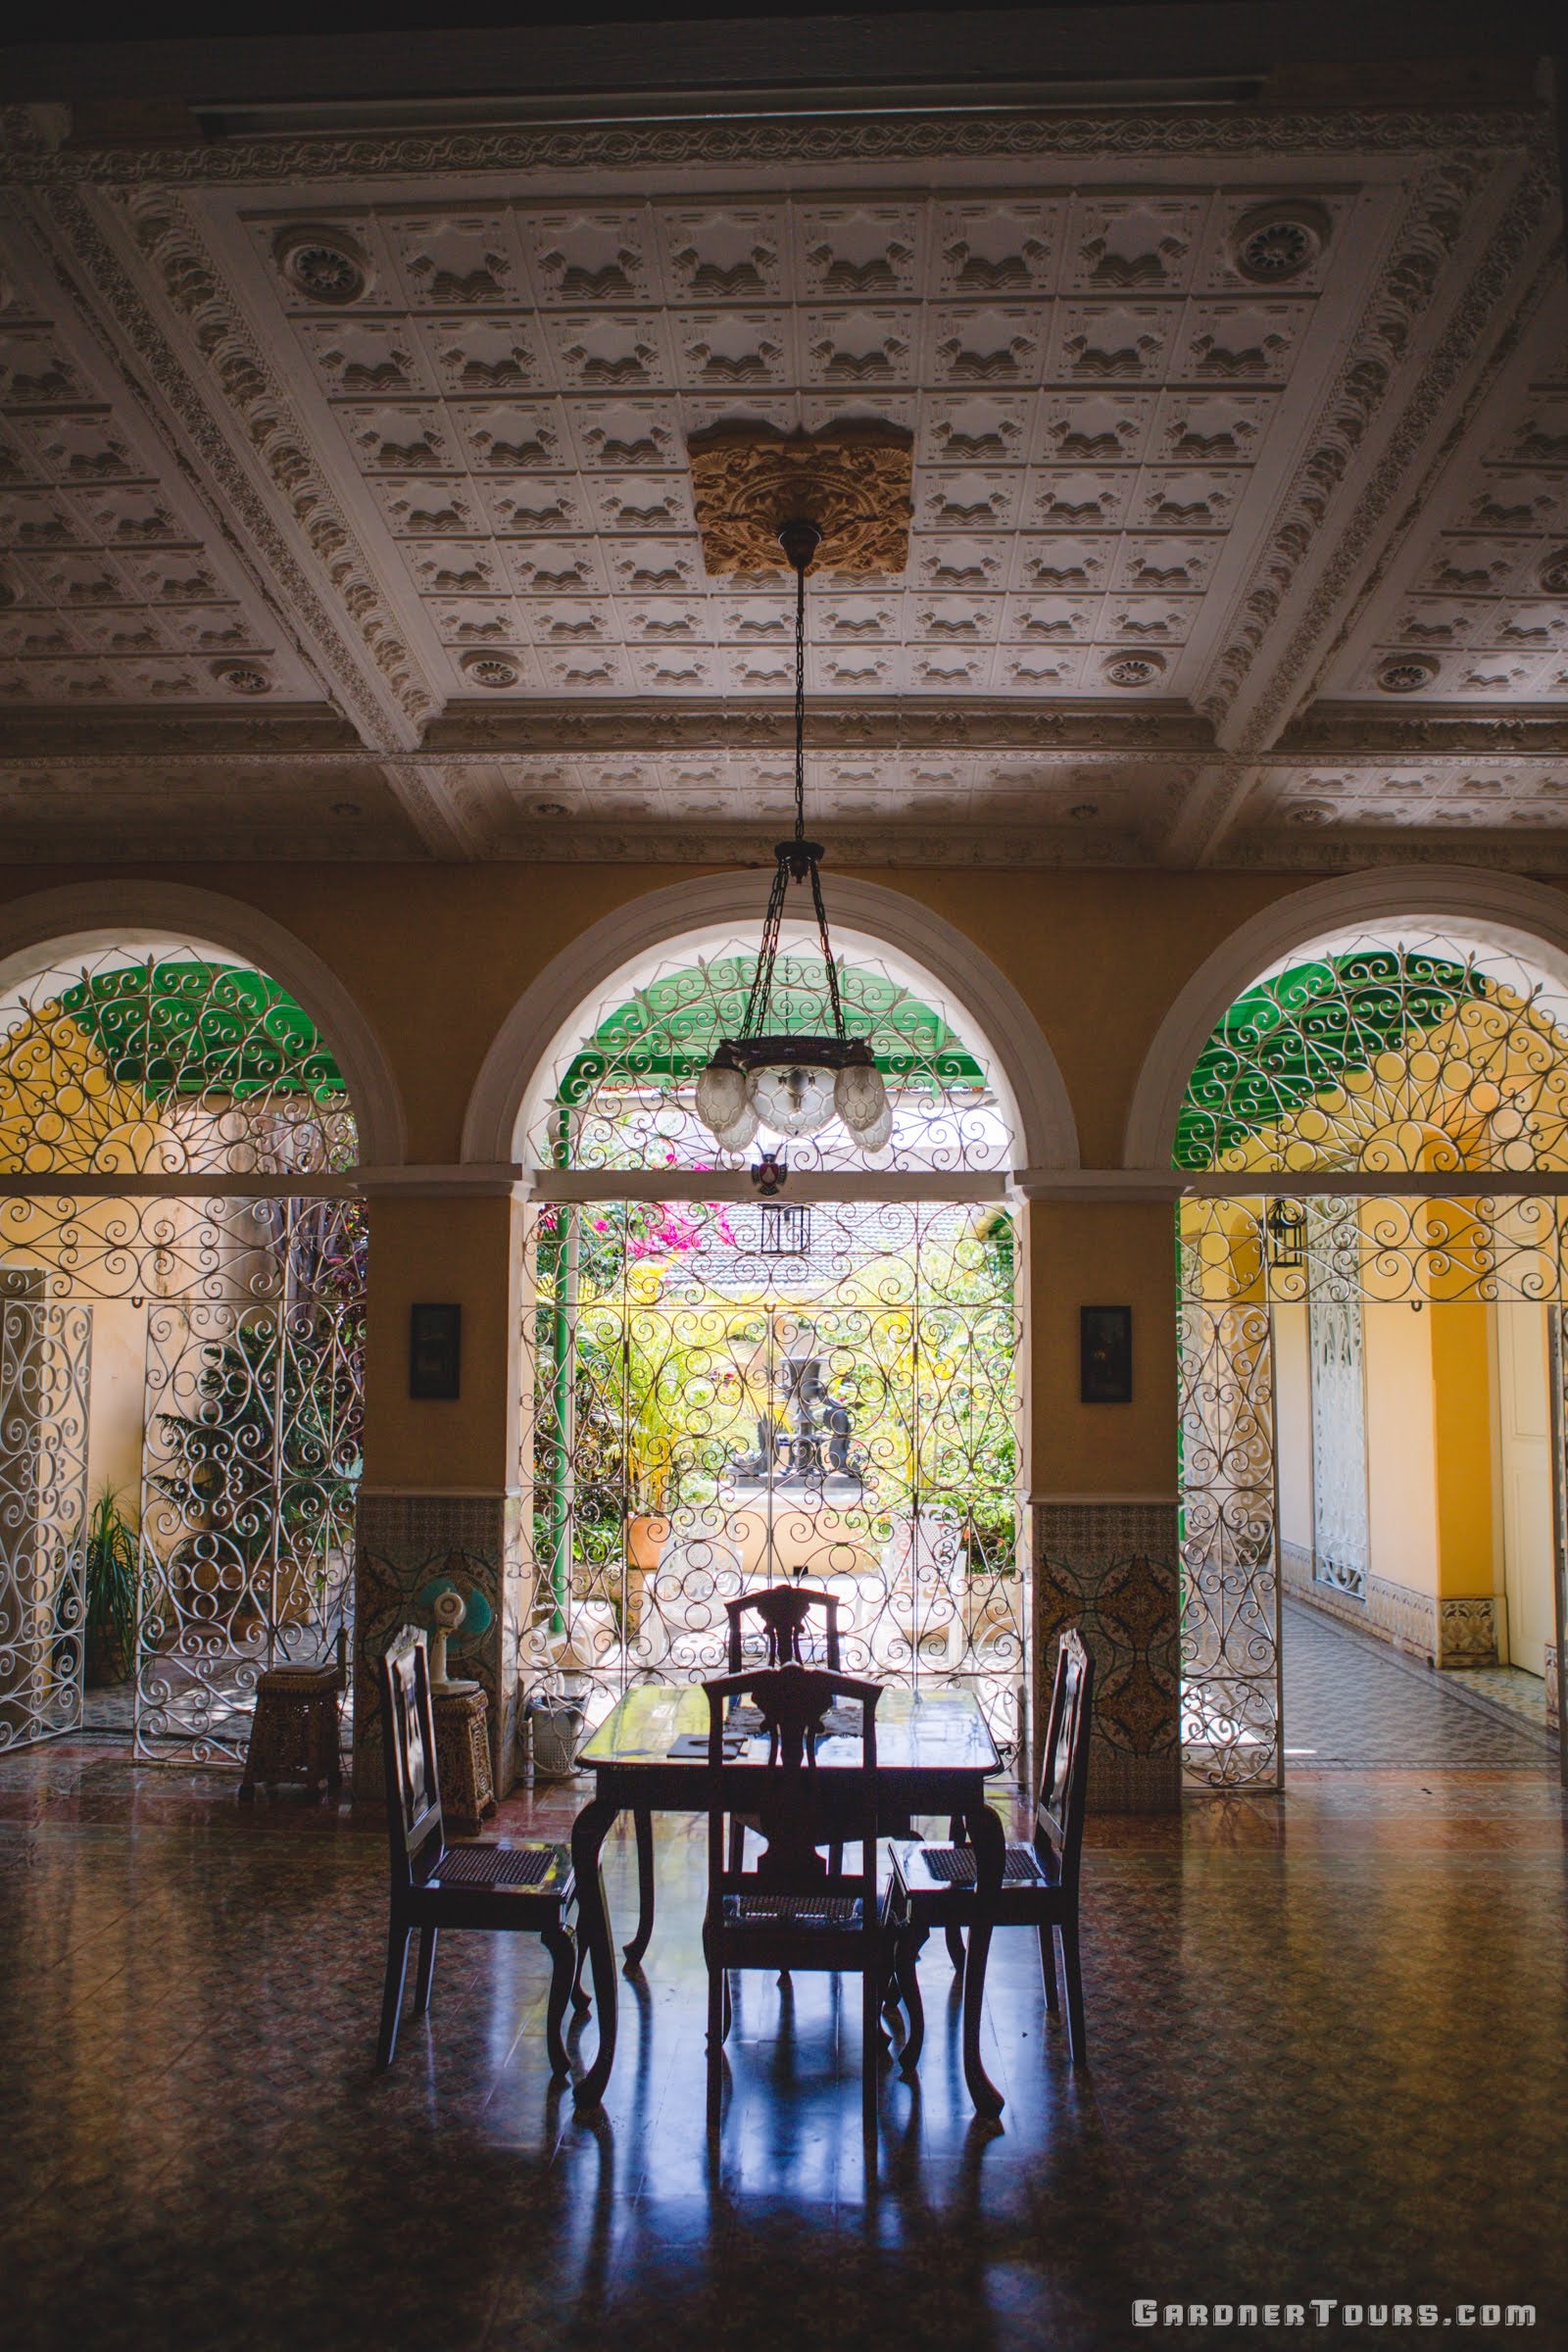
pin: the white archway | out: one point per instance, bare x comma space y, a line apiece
967, 988
87, 917
1526, 918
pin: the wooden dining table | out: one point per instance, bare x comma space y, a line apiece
934, 1754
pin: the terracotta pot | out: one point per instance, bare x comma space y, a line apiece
646, 1532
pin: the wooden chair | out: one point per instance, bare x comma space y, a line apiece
472, 1884
793, 1910
934, 1886
783, 1610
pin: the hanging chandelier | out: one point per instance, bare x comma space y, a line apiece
793, 1084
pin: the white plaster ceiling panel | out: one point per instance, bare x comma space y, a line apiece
877, 791
1486, 797
1092, 381
114, 586
1475, 605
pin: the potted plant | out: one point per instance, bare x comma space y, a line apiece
111, 1580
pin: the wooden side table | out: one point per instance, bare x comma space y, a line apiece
294, 1731
463, 1756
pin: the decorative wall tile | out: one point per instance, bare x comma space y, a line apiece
402, 1542
1111, 1569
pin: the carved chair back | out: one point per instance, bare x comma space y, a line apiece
783, 1611
1063, 1793
795, 1807
412, 1783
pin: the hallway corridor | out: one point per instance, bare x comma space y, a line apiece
1351, 1702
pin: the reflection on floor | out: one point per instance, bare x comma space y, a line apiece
1327, 2039
1351, 1702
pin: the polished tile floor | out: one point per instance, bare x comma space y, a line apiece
1326, 2045
1349, 1701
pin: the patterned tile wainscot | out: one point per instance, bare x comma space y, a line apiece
404, 1541
1111, 1568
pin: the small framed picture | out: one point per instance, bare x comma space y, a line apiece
435, 1351
1106, 1355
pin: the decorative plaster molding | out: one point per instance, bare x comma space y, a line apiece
1524, 914
886, 722
282, 580
253, 392
81, 917
622, 149
1433, 228
852, 481
1331, 606
1351, 735
986, 1007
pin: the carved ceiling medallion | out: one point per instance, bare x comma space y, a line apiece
1274, 243
851, 479
1408, 675
324, 264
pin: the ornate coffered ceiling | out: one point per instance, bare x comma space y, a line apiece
1240, 490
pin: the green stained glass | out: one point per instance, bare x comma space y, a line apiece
667, 1032
1289, 1037
196, 1029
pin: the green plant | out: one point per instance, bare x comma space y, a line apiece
111, 1575
268, 1460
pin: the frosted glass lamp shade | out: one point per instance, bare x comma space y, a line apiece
720, 1097
880, 1132
735, 1138
859, 1098
793, 1101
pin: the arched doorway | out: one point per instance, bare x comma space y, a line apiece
725, 1389
1371, 1254
181, 1295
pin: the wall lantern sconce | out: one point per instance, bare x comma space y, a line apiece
1285, 1224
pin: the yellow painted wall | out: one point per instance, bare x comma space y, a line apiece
1090, 1254
117, 1402
1462, 1418
469, 1252
1400, 1441
437, 956
1292, 1405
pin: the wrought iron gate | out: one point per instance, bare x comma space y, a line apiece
1231, 1706
248, 1318
44, 1365
1349, 1251
728, 1395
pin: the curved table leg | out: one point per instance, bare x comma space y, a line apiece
588, 1833
643, 1824
990, 1844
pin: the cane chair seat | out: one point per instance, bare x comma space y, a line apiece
531, 1868
930, 1868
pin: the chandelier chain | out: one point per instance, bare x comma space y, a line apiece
800, 864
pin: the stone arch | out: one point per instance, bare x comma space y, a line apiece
1526, 917
86, 916
982, 1003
